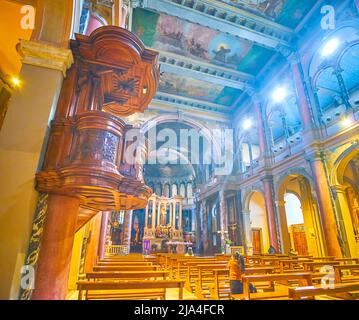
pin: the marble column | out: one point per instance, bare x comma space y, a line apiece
267, 182
204, 226
127, 224
103, 234
325, 205
302, 101
247, 232
22, 139
284, 234
153, 214
223, 216
93, 243
180, 216
53, 267
260, 127
342, 205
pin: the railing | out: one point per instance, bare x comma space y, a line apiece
116, 250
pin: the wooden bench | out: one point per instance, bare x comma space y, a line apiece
127, 275
220, 288
347, 260
119, 290
347, 291
124, 263
340, 269
292, 264
180, 271
304, 278
314, 266
205, 276
125, 268
328, 258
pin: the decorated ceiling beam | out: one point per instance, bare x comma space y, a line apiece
196, 69
224, 18
167, 102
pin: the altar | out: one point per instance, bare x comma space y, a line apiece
163, 223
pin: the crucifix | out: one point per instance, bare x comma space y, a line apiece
233, 228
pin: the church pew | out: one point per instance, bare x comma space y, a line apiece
292, 264
347, 260
134, 289
125, 268
124, 263
200, 271
220, 287
304, 278
339, 271
272, 261
180, 268
314, 266
126, 275
346, 291
323, 259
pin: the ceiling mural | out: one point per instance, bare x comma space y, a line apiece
170, 34
196, 89
286, 12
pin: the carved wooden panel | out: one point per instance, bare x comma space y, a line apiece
113, 75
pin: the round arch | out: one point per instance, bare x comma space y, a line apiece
341, 162
205, 131
299, 183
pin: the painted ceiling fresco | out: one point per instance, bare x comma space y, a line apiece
286, 12
197, 89
170, 34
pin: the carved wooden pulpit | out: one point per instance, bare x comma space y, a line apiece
113, 76
84, 169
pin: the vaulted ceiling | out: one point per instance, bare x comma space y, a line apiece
211, 51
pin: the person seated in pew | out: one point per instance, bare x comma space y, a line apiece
272, 250
237, 267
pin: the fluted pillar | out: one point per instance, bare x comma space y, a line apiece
302, 101
325, 205
223, 216
103, 234
284, 234
126, 231
247, 231
93, 243
260, 127
342, 205
204, 226
267, 182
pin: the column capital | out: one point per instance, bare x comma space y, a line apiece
45, 55
280, 203
339, 188
294, 58
267, 177
314, 155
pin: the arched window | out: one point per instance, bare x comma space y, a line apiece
174, 190
328, 90
166, 190
349, 64
158, 189
182, 190
189, 190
